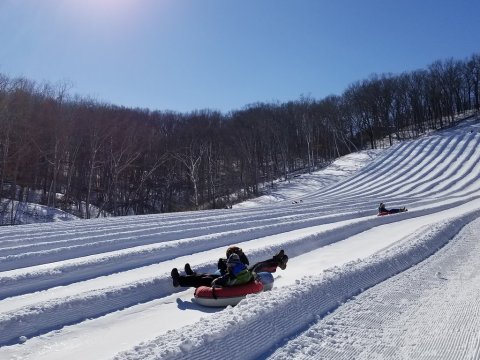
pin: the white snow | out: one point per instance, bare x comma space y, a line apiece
357, 286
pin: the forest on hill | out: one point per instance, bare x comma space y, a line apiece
95, 159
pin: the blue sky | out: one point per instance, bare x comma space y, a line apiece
185, 55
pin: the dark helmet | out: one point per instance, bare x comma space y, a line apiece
233, 250
236, 250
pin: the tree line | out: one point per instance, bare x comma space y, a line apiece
95, 159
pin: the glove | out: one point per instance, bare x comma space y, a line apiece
243, 258
222, 265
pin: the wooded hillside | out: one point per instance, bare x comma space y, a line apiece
95, 159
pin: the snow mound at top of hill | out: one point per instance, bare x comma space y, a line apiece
295, 189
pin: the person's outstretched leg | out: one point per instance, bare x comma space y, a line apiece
192, 280
278, 260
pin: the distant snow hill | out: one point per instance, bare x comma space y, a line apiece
301, 186
30, 213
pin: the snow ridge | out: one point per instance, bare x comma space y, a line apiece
317, 296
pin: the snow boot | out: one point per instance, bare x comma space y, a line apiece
283, 262
279, 255
188, 269
175, 277
281, 259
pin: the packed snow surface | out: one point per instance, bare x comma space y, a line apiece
357, 285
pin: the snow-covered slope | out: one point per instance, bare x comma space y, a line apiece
103, 286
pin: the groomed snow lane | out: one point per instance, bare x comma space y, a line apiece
284, 313
440, 297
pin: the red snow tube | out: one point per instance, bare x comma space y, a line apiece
383, 213
224, 296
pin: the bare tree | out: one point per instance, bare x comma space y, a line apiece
191, 157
